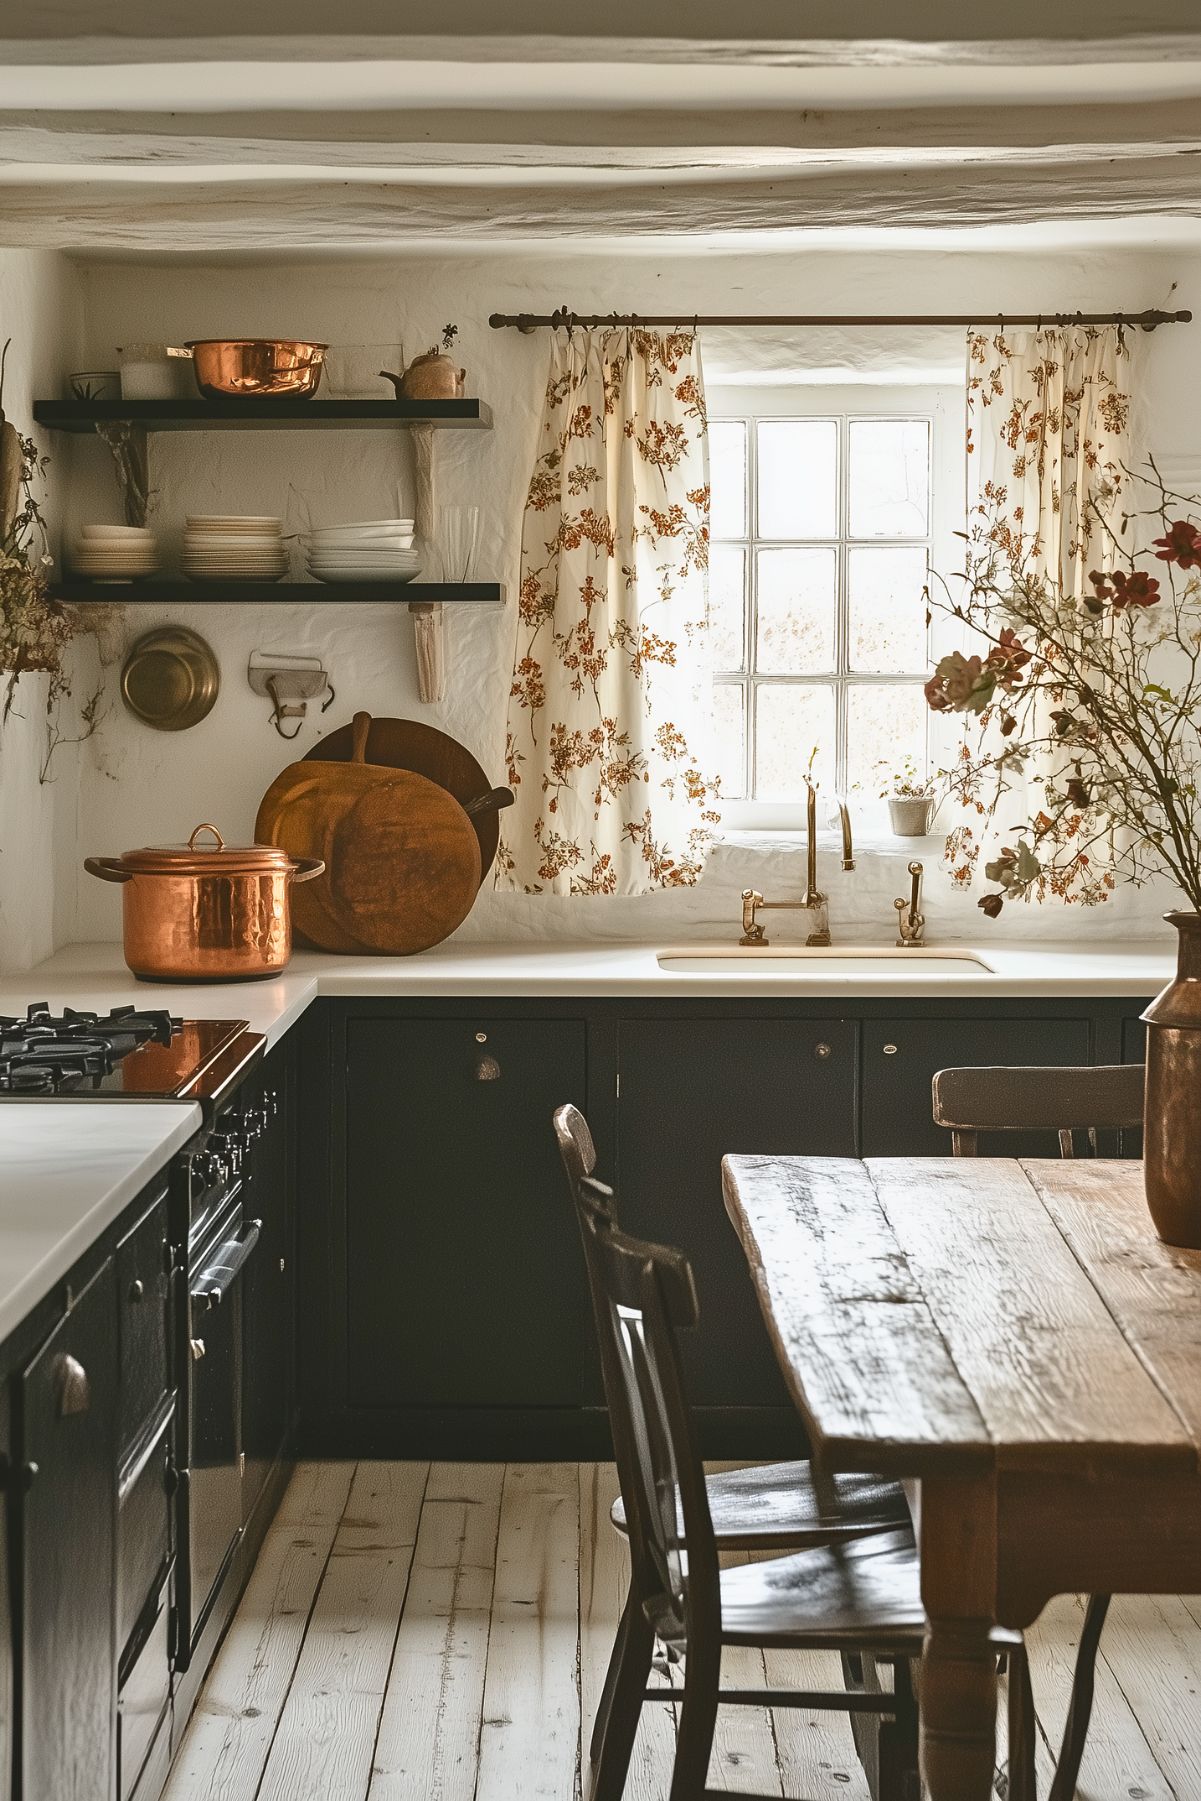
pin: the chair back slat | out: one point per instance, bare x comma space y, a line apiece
648, 1297
642, 1296
1107, 1098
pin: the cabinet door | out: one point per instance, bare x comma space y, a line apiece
68, 1674
143, 1295
902, 1056
463, 1260
268, 1363
692, 1091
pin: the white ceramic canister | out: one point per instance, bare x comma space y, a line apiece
155, 372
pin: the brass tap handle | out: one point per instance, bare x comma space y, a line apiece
911, 922
752, 931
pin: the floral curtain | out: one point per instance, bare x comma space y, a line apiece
608, 708
1048, 420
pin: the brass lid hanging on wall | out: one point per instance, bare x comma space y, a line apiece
171, 679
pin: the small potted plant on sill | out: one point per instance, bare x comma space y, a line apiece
912, 799
1087, 729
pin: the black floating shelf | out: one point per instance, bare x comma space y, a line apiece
176, 593
263, 415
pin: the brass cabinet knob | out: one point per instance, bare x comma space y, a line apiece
137, 1289
890, 1050
487, 1069
74, 1389
823, 1049
198, 1348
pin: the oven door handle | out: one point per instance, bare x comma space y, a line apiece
216, 1278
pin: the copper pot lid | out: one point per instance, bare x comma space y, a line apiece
209, 855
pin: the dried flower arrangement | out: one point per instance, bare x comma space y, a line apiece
34, 629
1093, 701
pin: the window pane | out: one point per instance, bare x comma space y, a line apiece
797, 605
889, 478
727, 478
885, 585
798, 478
727, 607
886, 721
729, 737
792, 718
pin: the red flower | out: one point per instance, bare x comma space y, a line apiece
1182, 545
1135, 590
1008, 657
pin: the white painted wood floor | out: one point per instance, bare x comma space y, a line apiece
439, 1632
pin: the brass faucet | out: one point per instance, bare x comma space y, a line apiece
911, 921
812, 900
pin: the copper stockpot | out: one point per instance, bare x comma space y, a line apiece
258, 367
206, 912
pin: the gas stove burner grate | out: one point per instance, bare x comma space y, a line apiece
47, 1053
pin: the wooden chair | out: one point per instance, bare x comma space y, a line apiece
860, 1596
1108, 1098
787, 1506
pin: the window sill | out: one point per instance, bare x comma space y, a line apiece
869, 842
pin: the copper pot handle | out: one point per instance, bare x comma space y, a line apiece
220, 844
107, 868
306, 868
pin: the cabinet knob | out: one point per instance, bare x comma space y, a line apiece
74, 1389
823, 1049
137, 1289
198, 1347
890, 1050
487, 1069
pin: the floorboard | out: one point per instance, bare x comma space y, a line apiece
441, 1632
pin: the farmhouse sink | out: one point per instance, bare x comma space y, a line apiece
835, 960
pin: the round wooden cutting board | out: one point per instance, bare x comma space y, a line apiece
422, 749
403, 865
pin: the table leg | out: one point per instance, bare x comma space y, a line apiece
956, 1519
958, 1698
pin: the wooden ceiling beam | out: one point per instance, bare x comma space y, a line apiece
654, 137
265, 216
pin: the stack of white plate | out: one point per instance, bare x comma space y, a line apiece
374, 550
232, 547
115, 553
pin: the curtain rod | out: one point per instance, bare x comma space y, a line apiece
528, 322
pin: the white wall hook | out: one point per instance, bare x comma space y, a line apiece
289, 683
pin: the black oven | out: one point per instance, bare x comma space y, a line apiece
221, 1242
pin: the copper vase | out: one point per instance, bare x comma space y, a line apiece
1172, 1123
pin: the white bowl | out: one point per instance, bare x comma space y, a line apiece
391, 559
353, 573
117, 534
366, 525
208, 522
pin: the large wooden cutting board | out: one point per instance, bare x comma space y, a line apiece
408, 744
299, 807
404, 865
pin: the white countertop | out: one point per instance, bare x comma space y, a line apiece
67, 1169
66, 1172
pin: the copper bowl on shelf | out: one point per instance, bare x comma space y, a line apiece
229, 368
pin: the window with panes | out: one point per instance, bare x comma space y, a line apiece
823, 521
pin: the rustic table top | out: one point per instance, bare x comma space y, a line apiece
939, 1315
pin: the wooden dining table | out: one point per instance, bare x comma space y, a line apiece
1012, 1339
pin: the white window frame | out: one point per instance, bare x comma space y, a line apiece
945, 407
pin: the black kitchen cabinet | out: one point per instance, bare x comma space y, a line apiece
691, 1091
464, 1275
67, 1399
269, 1350
902, 1055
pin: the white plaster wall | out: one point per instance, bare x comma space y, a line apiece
39, 311
139, 786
